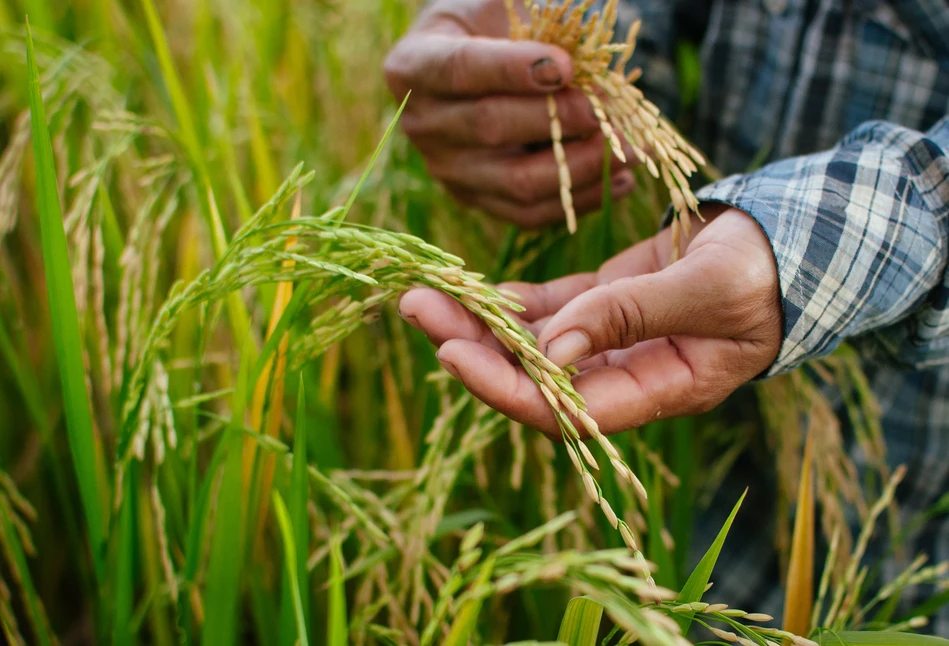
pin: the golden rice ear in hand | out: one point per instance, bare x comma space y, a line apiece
621, 108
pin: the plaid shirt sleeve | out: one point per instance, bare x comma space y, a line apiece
860, 234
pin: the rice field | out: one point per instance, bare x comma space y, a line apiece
216, 429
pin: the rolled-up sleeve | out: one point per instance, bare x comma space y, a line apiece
859, 235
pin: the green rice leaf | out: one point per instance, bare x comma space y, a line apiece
337, 630
372, 161
13, 548
467, 618
581, 622
25, 380
224, 569
694, 588
875, 638
64, 319
124, 580
665, 568
299, 491
294, 307
290, 558
929, 606
179, 102
682, 503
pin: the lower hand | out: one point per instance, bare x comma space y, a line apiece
650, 341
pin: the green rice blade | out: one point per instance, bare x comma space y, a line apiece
67, 337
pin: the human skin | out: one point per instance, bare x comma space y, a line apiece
478, 114
651, 340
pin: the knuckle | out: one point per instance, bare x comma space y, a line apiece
394, 70
627, 322
521, 185
461, 196
440, 173
576, 114
486, 122
532, 218
456, 67
413, 124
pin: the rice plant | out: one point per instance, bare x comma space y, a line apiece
219, 431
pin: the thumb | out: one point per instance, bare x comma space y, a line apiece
695, 297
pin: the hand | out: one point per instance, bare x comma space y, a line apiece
650, 341
479, 110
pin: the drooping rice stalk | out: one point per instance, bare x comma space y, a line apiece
624, 113
339, 256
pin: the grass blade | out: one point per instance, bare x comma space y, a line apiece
799, 599
292, 562
124, 581
17, 564
694, 588
337, 628
581, 622
64, 318
467, 618
274, 383
224, 569
660, 553
372, 161
683, 498
299, 489
874, 638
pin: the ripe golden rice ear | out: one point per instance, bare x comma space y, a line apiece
621, 108
556, 137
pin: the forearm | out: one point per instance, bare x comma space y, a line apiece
860, 236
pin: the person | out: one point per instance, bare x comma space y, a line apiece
842, 235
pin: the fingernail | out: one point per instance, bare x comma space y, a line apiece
411, 319
545, 73
568, 348
449, 367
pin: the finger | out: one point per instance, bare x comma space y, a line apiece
549, 211
524, 178
453, 65
442, 318
657, 379
646, 257
503, 386
660, 378
545, 299
707, 294
498, 120
541, 301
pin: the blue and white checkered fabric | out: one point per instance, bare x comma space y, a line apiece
848, 98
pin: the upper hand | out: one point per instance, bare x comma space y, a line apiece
479, 99
651, 341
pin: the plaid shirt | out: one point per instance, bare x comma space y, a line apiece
849, 98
